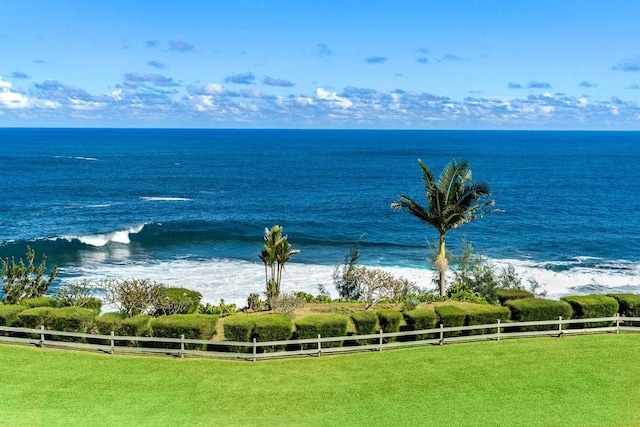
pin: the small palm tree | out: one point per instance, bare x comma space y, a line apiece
452, 202
276, 252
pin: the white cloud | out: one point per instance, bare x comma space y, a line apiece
333, 98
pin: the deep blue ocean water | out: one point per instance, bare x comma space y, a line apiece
189, 207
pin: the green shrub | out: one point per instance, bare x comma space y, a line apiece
136, 326
421, 318
92, 303
505, 295
9, 314
239, 327
325, 325
536, 309
389, 321
177, 301
272, 327
484, 314
109, 322
450, 316
592, 306
366, 323
192, 326
71, 319
39, 302
629, 304
34, 317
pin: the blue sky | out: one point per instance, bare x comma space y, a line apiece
321, 64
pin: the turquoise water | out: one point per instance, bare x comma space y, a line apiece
189, 207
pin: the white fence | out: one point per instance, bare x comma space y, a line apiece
314, 346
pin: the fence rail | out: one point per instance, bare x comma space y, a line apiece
313, 346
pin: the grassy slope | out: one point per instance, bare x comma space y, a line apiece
575, 381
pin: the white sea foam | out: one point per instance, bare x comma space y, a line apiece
165, 199
100, 240
90, 159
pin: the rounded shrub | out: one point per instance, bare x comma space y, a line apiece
71, 319
593, 306
192, 326
366, 323
421, 318
92, 303
325, 325
450, 316
272, 327
389, 321
484, 314
629, 304
109, 322
136, 326
34, 317
39, 302
9, 314
178, 301
536, 309
505, 295
239, 327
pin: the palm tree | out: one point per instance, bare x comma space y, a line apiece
276, 252
452, 202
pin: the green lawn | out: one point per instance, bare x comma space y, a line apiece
572, 381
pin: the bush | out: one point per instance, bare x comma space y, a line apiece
629, 304
505, 295
593, 306
71, 319
239, 327
39, 302
450, 316
366, 323
192, 326
535, 309
325, 325
34, 317
9, 314
484, 314
91, 303
109, 322
177, 301
272, 327
136, 326
287, 303
389, 321
421, 318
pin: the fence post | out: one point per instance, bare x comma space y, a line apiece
113, 343
380, 343
255, 350
181, 345
560, 326
319, 346
41, 335
498, 329
617, 323
441, 334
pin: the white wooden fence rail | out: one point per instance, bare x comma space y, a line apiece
276, 349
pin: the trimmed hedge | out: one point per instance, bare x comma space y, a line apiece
421, 318
591, 306
450, 316
39, 302
136, 326
239, 327
325, 325
482, 314
389, 321
629, 304
109, 322
536, 309
178, 301
9, 314
272, 327
366, 323
34, 317
505, 295
92, 303
71, 319
192, 326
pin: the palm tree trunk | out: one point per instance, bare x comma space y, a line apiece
441, 264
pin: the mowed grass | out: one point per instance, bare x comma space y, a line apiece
571, 381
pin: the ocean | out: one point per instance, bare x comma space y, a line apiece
189, 207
